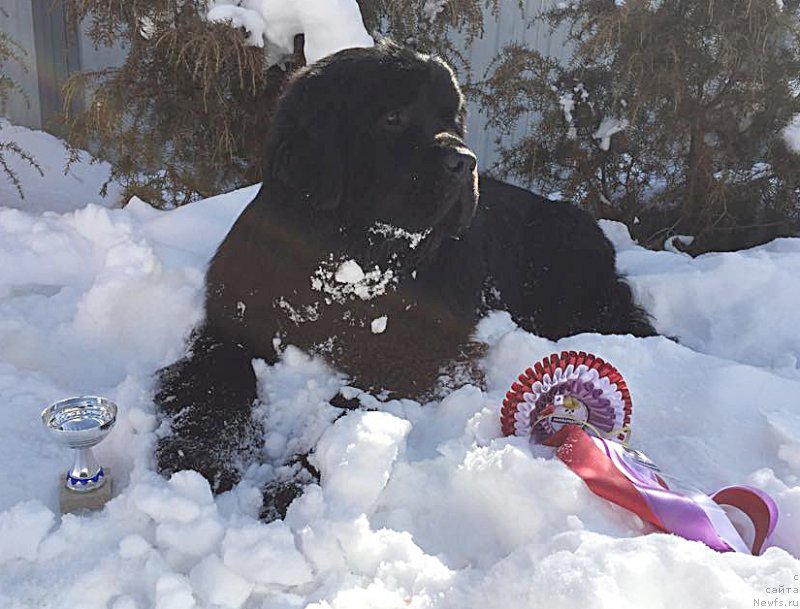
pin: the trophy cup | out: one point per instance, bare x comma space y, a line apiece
80, 423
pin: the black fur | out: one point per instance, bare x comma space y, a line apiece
366, 136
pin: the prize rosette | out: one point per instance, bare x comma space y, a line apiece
568, 388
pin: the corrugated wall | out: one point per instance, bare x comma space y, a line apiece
16, 19
511, 25
52, 53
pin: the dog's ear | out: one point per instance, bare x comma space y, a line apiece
306, 147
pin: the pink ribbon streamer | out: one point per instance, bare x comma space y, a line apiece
625, 478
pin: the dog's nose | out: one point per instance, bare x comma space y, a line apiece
460, 161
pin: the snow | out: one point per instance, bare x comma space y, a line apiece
608, 127
567, 103
388, 231
419, 505
740, 306
349, 271
670, 244
791, 134
22, 529
432, 8
53, 189
329, 25
339, 280
378, 325
355, 457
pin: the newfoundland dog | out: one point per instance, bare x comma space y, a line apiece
368, 244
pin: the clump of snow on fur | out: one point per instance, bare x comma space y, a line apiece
396, 232
299, 314
340, 281
349, 271
378, 325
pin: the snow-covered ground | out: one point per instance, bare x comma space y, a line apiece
419, 505
56, 188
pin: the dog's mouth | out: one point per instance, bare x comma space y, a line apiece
454, 224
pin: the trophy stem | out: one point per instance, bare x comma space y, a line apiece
86, 474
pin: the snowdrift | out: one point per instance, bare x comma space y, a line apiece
420, 505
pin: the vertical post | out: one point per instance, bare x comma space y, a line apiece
57, 56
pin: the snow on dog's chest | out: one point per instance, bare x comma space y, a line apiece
343, 280
354, 291
341, 288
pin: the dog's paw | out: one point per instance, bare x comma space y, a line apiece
279, 493
219, 453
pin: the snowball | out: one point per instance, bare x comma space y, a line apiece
265, 554
173, 592
193, 539
216, 584
355, 458
22, 528
164, 506
343, 281
192, 486
378, 325
133, 546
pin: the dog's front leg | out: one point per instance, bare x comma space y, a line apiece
205, 402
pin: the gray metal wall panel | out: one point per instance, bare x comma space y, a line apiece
16, 19
56, 58
511, 25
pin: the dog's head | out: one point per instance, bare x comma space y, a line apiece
376, 135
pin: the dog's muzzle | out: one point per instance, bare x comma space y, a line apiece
462, 166
460, 162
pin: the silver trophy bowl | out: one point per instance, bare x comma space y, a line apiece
80, 423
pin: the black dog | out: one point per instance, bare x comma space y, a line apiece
367, 245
